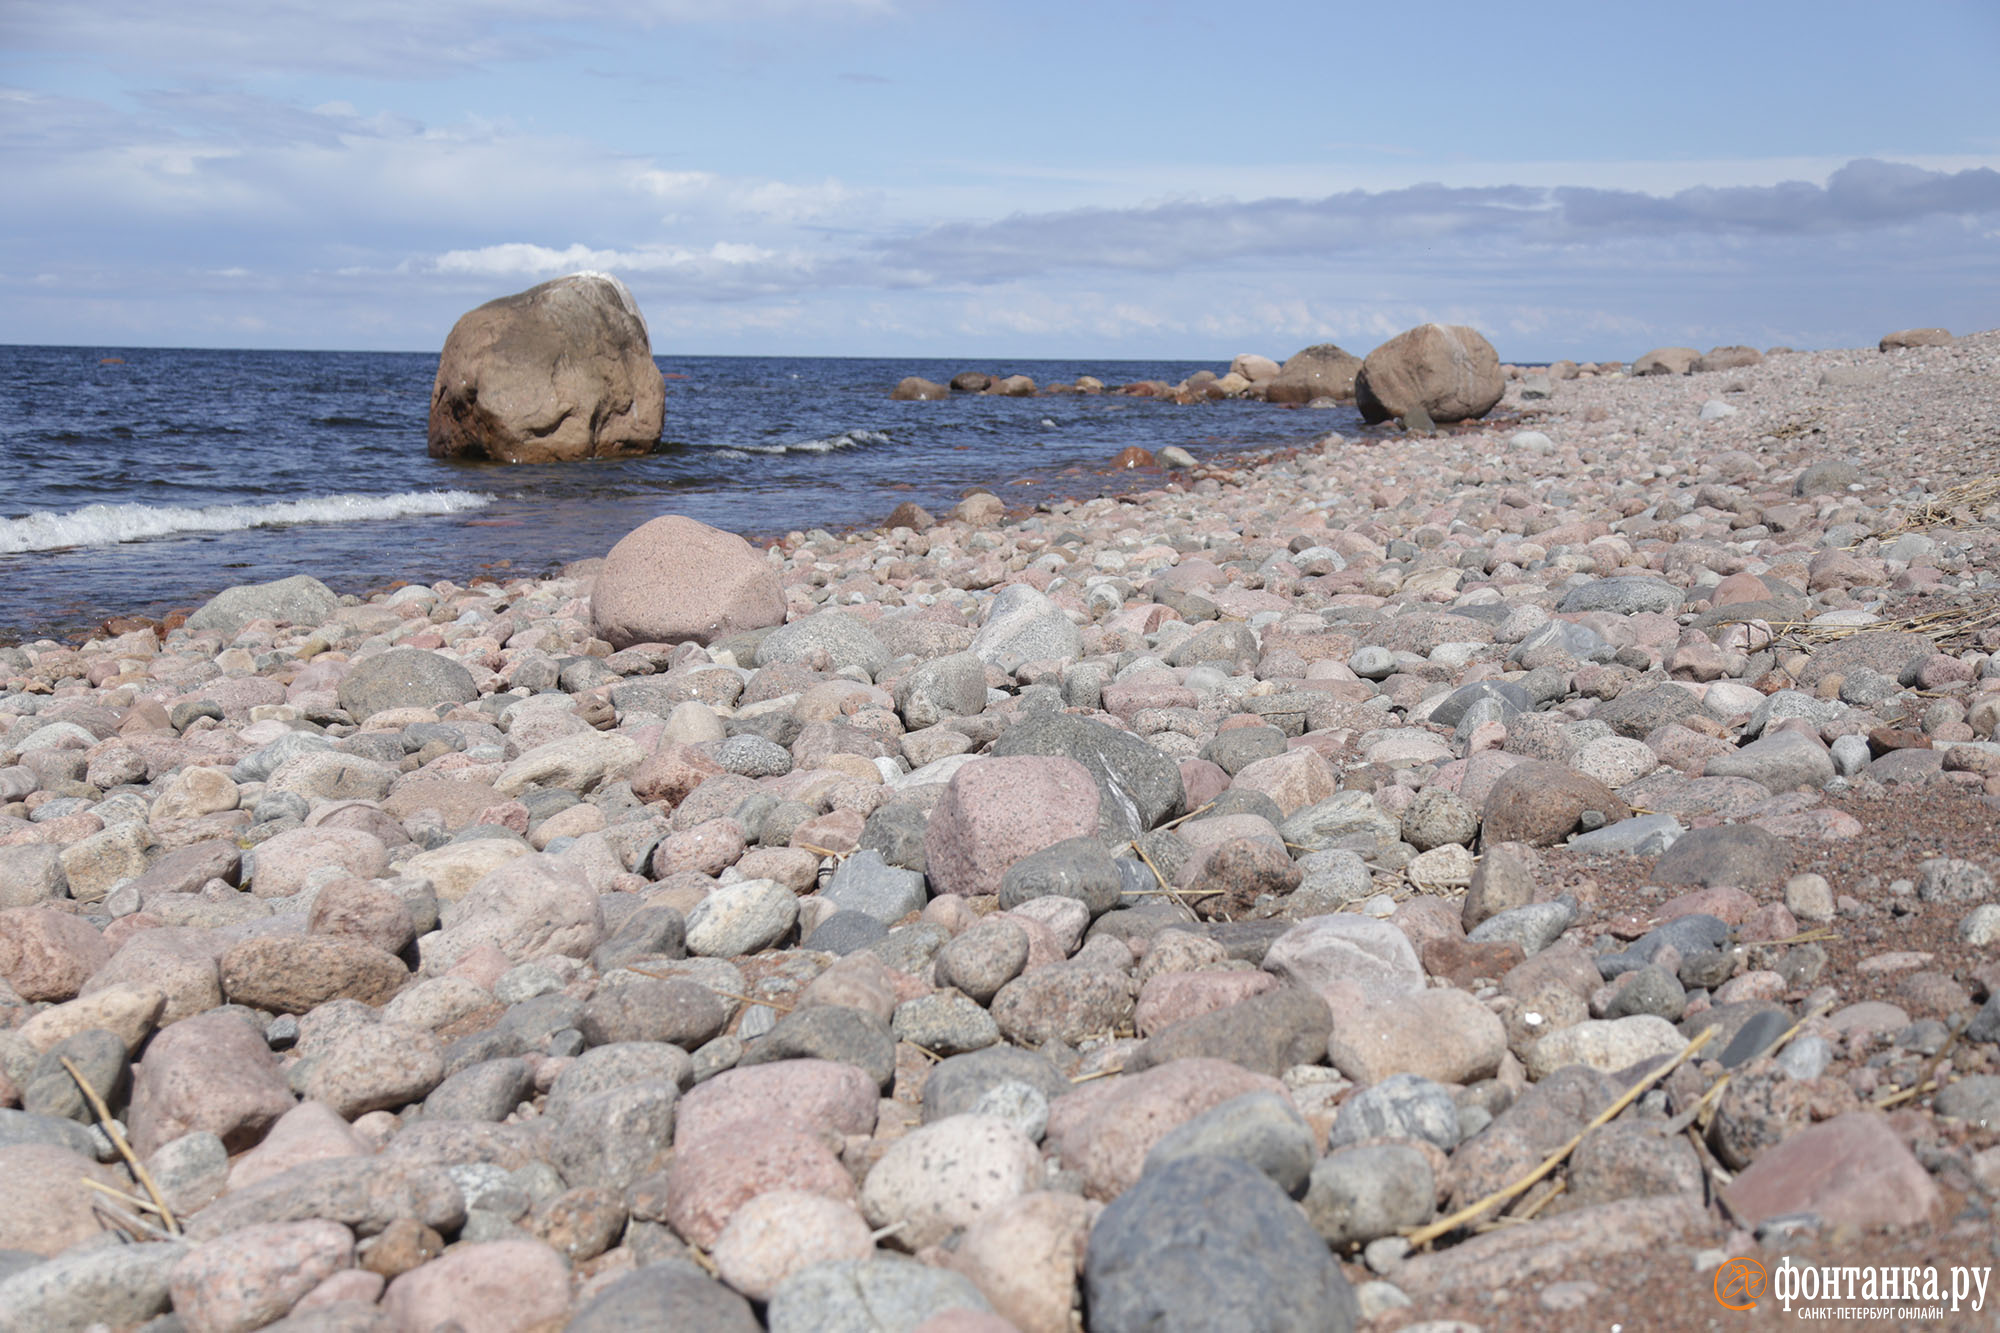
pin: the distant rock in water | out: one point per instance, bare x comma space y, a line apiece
1447, 372
559, 372
971, 381
915, 388
1320, 371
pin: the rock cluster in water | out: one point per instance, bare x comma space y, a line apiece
1143, 911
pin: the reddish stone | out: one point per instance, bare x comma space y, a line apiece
1851, 1170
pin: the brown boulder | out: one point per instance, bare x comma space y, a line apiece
1257, 369
1320, 371
295, 974
672, 580
1540, 803
971, 381
1729, 358
1012, 386
1915, 338
558, 372
917, 389
1667, 361
1448, 371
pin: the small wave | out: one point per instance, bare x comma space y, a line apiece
108, 525
848, 439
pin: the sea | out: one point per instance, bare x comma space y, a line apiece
138, 480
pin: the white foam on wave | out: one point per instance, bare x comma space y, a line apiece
848, 439
109, 524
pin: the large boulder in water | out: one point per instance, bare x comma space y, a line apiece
558, 372
1448, 370
673, 580
1323, 370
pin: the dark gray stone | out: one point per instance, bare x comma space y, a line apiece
845, 932
667, 1294
1511, 698
1076, 868
1260, 1128
98, 1055
489, 1090
1237, 748
1268, 1033
1689, 935
1764, 1027
18, 1127
1736, 855
896, 832
1635, 714
867, 883
1208, 1243
956, 1085
1624, 595
605, 1068
654, 930
829, 1032
1534, 927
679, 1013
1975, 1098
616, 1137
404, 678
1138, 786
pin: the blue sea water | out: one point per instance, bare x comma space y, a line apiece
134, 480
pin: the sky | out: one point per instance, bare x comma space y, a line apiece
1093, 178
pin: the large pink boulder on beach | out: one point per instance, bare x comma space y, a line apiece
559, 372
673, 580
996, 811
1448, 370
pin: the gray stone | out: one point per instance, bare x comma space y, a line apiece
983, 958
489, 1090
1237, 748
959, 1084
741, 918
1346, 821
1781, 761
404, 678
911, 948
945, 1023
1329, 880
834, 637
752, 757
115, 1285
1138, 786
653, 930
885, 1293
1021, 1106
896, 831
29, 874
1739, 856
944, 687
298, 600
614, 1138
1401, 1106
1696, 933
829, 1032
98, 1055
1511, 698
868, 884
845, 932
1636, 714
652, 1009
605, 1068
1624, 595
1267, 1033
1364, 1193
1534, 927
1022, 625
1758, 1032
18, 1127
1945, 879
1208, 1243
1641, 835
1975, 1098
1260, 1128
1785, 705
1650, 990
362, 1193
1076, 868
1438, 818
667, 1294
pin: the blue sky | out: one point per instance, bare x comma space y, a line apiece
922, 177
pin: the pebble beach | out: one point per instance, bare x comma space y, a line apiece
1499, 878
